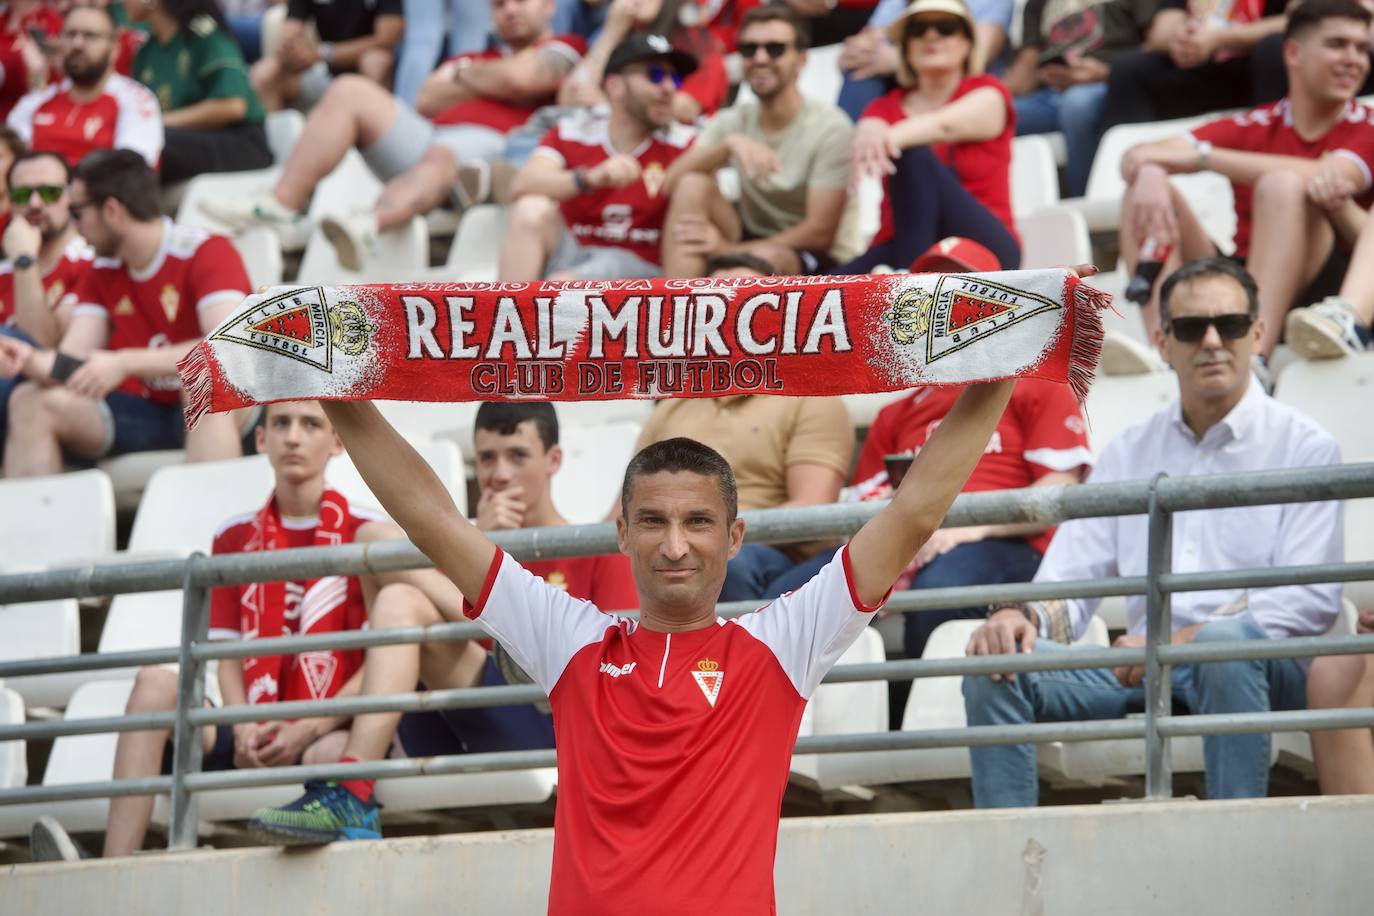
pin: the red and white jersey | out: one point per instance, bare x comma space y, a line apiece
1269, 129
500, 114
673, 749
161, 305
227, 602
630, 217
1042, 430
62, 276
124, 116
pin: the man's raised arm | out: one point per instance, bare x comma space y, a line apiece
887, 543
413, 495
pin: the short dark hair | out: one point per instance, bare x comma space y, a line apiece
121, 174
682, 454
30, 156
1202, 269
504, 418
733, 259
11, 141
1309, 14
101, 8
778, 12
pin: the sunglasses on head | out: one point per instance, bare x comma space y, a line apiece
1191, 329
773, 49
20, 193
657, 73
945, 27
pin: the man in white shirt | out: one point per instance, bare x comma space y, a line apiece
1223, 423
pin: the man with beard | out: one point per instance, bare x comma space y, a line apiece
43, 258
111, 386
590, 202
792, 155
94, 107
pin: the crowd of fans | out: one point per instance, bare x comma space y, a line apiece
603, 126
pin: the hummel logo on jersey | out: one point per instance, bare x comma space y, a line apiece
617, 670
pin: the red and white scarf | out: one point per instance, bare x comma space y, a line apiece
647, 338
272, 609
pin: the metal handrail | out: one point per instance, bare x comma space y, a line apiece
1158, 498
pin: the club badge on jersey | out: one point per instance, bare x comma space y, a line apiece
709, 677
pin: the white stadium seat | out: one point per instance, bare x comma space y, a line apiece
40, 629
855, 707
1051, 236
56, 521
476, 245
1034, 175
14, 766
594, 459
397, 257
1116, 402
261, 252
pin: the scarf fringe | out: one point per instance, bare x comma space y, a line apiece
1086, 346
198, 383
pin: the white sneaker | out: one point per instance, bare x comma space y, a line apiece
1122, 355
1327, 330
48, 842
353, 235
261, 209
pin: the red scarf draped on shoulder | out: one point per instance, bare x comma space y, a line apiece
274, 609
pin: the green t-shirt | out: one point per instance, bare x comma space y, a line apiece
813, 149
200, 62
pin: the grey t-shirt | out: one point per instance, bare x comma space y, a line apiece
813, 149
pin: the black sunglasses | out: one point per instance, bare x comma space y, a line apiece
773, 49
20, 193
945, 27
1193, 328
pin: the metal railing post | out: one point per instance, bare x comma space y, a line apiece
1159, 770
187, 749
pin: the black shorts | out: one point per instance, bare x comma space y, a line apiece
1327, 282
221, 756
479, 730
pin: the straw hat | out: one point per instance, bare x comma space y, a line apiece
956, 8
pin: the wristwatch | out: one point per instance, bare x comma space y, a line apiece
327, 52
24, 262
1204, 150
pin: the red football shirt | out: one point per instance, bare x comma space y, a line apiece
124, 116
161, 305
500, 114
606, 581
983, 167
1041, 430
75, 260
227, 602
1269, 129
630, 217
14, 76
673, 749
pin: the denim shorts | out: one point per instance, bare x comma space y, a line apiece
136, 424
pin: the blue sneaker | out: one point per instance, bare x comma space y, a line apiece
325, 813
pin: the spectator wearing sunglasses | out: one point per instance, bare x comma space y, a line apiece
1222, 423
702, 92
44, 257
941, 142
591, 200
791, 154
94, 107
444, 151
1299, 169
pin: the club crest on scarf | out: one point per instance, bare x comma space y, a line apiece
303, 325
959, 311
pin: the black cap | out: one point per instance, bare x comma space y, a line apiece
639, 47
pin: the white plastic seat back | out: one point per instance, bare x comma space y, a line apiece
261, 252
594, 460
1051, 236
856, 707
56, 521
476, 248
283, 128
399, 255
40, 629
1116, 402
222, 186
1034, 176
14, 766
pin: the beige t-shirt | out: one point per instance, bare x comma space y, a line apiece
813, 149
760, 436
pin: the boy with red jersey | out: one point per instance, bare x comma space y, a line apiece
1300, 170
94, 107
154, 289
517, 455
592, 199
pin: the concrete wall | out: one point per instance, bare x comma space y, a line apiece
1299, 856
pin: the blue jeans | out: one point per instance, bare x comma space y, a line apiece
574, 17
7, 384
1237, 765
467, 24
856, 95
247, 31
1077, 112
754, 570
